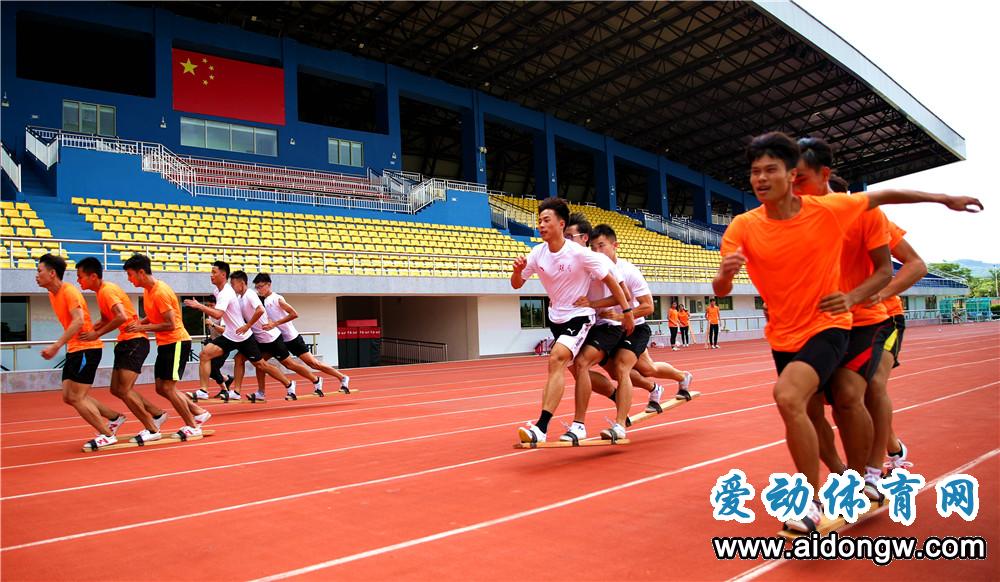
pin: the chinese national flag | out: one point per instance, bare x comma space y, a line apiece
226, 88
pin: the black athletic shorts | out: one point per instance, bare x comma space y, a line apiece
248, 347
865, 347
131, 354
638, 341
276, 349
822, 352
605, 337
171, 360
895, 341
572, 333
297, 346
81, 366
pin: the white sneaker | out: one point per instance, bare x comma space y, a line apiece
574, 430
99, 442
116, 424
872, 476
683, 385
202, 394
897, 461
159, 420
258, 396
234, 395
530, 433
187, 432
145, 436
656, 393
290, 391
346, 382
318, 387
676, 349
200, 419
614, 433
811, 521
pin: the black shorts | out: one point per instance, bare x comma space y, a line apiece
894, 342
605, 337
572, 333
865, 347
822, 352
171, 360
638, 341
276, 349
81, 366
249, 347
297, 346
131, 354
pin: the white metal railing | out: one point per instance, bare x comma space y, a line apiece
512, 211
216, 172
12, 361
403, 351
683, 230
47, 153
10, 166
192, 258
722, 219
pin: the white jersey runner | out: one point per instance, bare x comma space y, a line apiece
636, 284
228, 303
598, 290
250, 302
566, 276
272, 305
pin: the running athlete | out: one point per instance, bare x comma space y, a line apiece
792, 248
281, 315
131, 348
565, 271
215, 328
82, 355
173, 344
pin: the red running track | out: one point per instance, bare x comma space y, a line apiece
415, 478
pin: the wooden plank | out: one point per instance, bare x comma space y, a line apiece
309, 395
668, 405
828, 525
125, 442
591, 442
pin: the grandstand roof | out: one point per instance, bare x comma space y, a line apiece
690, 80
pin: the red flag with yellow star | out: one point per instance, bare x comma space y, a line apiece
228, 88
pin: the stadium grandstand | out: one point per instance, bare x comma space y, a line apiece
383, 162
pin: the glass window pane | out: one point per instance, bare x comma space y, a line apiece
345, 152
71, 116
192, 132
88, 118
243, 139
217, 135
266, 142
13, 319
357, 159
332, 151
106, 120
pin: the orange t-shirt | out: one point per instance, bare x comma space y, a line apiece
712, 314
673, 318
894, 304
110, 295
159, 300
869, 232
685, 318
794, 263
63, 302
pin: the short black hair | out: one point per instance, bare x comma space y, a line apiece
262, 278
222, 266
138, 262
91, 266
712, 300
604, 230
815, 152
557, 205
579, 220
838, 184
54, 262
777, 145
238, 276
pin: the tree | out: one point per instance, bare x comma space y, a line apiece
952, 270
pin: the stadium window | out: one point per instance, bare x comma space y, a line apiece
14, 319
930, 302
533, 313
88, 118
229, 137
345, 153
758, 302
194, 320
723, 303
657, 312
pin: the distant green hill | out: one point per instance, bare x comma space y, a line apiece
978, 268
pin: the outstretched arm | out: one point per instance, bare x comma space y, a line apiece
957, 203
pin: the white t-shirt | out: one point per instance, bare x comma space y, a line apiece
598, 290
250, 302
274, 311
636, 284
228, 303
566, 276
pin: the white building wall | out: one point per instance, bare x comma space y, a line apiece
318, 313
500, 327
433, 319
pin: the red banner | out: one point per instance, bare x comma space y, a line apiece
227, 88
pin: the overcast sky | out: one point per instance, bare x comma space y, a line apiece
945, 55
